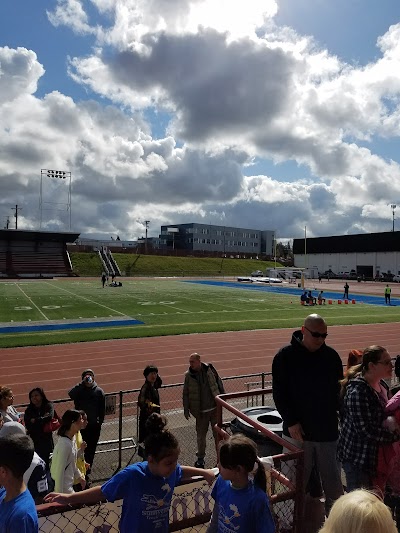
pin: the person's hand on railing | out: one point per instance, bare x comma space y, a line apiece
57, 497
209, 475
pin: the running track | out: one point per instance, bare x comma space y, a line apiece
118, 364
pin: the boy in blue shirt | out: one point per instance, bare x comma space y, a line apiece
17, 508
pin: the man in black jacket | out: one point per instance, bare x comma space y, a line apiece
305, 381
89, 397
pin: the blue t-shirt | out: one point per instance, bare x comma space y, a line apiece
242, 510
147, 498
18, 515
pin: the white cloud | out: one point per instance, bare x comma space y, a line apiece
19, 73
237, 87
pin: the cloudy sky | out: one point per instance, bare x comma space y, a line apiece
267, 114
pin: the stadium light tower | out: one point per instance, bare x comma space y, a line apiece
54, 192
393, 207
146, 223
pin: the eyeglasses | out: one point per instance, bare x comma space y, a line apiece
316, 334
387, 363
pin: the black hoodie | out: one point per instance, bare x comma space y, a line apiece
306, 389
91, 400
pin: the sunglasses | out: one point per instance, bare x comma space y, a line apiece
316, 334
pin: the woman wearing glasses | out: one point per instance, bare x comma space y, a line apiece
365, 395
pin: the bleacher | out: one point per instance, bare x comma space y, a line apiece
33, 254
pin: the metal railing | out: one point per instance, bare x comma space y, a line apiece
285, 477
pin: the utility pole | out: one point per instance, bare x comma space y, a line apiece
16, 209
146, 224
393, 206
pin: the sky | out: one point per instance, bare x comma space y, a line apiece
264, 114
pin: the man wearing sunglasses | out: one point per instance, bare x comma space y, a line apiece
305, 381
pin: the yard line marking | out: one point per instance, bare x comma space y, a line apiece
88, 300
32, 302
174, 307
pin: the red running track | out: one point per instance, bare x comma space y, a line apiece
118, 364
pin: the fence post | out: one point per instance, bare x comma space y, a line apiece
263, 387
120, 431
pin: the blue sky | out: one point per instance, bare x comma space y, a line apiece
268, 114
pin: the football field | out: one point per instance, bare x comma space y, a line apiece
57, 311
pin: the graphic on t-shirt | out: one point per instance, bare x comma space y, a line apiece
228, 518
153, 502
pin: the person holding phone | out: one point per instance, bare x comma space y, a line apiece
89, 397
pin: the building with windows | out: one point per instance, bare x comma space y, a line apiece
368, 254
217, 239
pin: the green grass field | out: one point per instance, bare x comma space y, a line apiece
167, 307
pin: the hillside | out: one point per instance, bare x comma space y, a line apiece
88, 264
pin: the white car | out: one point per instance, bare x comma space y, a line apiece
396, 278
257, 274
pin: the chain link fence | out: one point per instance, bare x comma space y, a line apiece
190, 511
118, 443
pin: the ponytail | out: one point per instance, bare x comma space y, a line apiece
160, 442
260, 477
352, 372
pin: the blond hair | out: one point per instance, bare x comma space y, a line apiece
359, 511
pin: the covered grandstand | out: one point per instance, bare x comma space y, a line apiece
35, 254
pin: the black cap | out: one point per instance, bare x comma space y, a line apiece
87, 371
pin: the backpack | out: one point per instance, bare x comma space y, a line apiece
220, 385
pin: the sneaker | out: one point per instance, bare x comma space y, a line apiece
199, 463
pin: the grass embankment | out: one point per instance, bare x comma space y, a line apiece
89, 264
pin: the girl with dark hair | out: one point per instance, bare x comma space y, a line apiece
240, 495
63, 464
37, 414
365, 395
146, 488
148, 402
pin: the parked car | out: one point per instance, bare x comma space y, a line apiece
385, 277
257, 274
396, 278
329, 273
